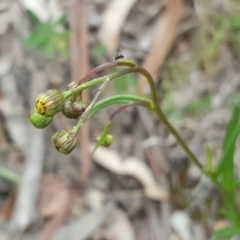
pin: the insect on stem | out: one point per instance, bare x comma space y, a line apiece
119, 56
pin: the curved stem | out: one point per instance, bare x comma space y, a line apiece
161, 116
98, 81
105, 66
164, 120
104, 81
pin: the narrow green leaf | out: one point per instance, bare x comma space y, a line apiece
225, 165
209, 158
225, 168
226, 233
230, 128
117, 99
230, 210
9, 175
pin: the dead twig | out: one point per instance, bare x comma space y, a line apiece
28, 189
79, 67
113, 21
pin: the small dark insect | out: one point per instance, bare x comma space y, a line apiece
118, 56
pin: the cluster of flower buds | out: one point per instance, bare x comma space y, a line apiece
74, 107
49, 104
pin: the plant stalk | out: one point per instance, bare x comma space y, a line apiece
164, 120
133, 68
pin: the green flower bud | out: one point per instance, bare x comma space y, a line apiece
68, 110
38, 120
79, 105
50, 102
64, 141
107, 141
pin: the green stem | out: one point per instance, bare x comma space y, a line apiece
86, 113
118, 99
164, 120
98, 81
158, 110
105, 66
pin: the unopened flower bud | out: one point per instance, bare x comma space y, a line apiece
68, 110
107, 140
38, 120
64, 141
80, 105
50, 102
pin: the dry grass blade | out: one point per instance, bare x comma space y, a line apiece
112, 24
153, 220
83, 228
131, 167
25, 206
13, 112
28, 190
120, 227
79, 67
53, 195
163, 40
54, 203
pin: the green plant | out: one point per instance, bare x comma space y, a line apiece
223, 176
51, 102
49, 37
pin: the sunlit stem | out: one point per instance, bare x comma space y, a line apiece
105, 66
164, 120
133, 68
98, 81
